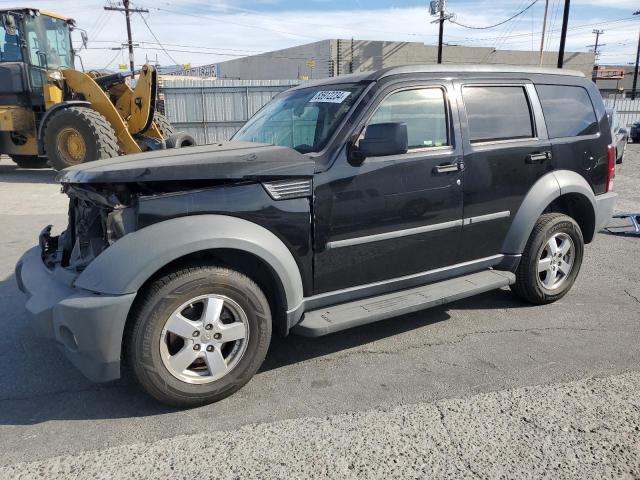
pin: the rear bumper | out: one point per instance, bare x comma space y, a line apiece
87, 326
605, 205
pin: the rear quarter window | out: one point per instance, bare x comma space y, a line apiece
568, 111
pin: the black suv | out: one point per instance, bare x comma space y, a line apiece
341, 202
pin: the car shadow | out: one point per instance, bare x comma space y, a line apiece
292, 349
60, 392
11, 173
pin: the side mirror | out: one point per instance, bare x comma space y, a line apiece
85, 38
383, 139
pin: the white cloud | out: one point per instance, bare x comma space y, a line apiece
227, 30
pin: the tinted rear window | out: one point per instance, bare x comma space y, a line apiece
497, 113
568, 111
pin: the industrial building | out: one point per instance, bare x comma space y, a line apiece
616, 81
333, 57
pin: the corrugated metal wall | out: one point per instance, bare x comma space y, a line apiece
628, 111
213, 110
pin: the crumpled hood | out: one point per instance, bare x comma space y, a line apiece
220, 161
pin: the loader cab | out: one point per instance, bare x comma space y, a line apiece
37, 45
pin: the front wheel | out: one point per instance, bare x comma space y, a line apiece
198, 335
551, 260
77, 135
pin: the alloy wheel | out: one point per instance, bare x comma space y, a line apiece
555, 261
204, 339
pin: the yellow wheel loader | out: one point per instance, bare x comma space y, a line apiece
49, 111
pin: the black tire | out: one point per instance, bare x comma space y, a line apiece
180, 140
163, 124
161, 300
88, 127
529, 285
29, 161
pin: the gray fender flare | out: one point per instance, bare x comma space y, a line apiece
128, 263
551, 186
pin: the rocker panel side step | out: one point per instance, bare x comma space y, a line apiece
360, 312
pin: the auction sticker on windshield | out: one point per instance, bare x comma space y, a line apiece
330, 96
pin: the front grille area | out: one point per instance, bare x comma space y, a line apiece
287, 189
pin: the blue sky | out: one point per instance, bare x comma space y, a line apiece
216, 30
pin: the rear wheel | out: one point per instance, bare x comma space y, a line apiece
551, 260
29, 161
77, 135
198, 335
163, 124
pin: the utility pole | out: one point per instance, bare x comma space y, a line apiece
563, 34
595, 51
127, 13
440, 35
544, 29
437, 8
635, 71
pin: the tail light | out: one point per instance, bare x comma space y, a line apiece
611, 166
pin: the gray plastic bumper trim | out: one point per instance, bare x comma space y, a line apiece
87, 327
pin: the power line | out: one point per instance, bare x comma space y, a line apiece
214, 19
157, 40
184, 46
554, 17
127, 13
112, 60
544, 26
507, 30
472, 27
574, 28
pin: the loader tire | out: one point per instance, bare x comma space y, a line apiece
180, 140
77, 135
163, 124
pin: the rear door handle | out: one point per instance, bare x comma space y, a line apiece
538, 157
449, 167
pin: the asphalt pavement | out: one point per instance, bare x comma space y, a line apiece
483, 388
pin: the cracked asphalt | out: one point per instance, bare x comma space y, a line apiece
486, 387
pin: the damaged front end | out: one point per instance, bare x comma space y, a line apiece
98, 217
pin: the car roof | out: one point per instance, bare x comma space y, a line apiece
450, 69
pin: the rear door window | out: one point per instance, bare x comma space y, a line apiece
568, 111
497, 113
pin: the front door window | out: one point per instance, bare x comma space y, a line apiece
424, 112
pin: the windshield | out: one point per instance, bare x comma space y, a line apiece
301, 119
49, 42
9, 40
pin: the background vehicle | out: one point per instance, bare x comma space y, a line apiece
374, 195
49, 109
634, 132
619, 134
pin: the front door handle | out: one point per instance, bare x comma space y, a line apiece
538, 157
449, 167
